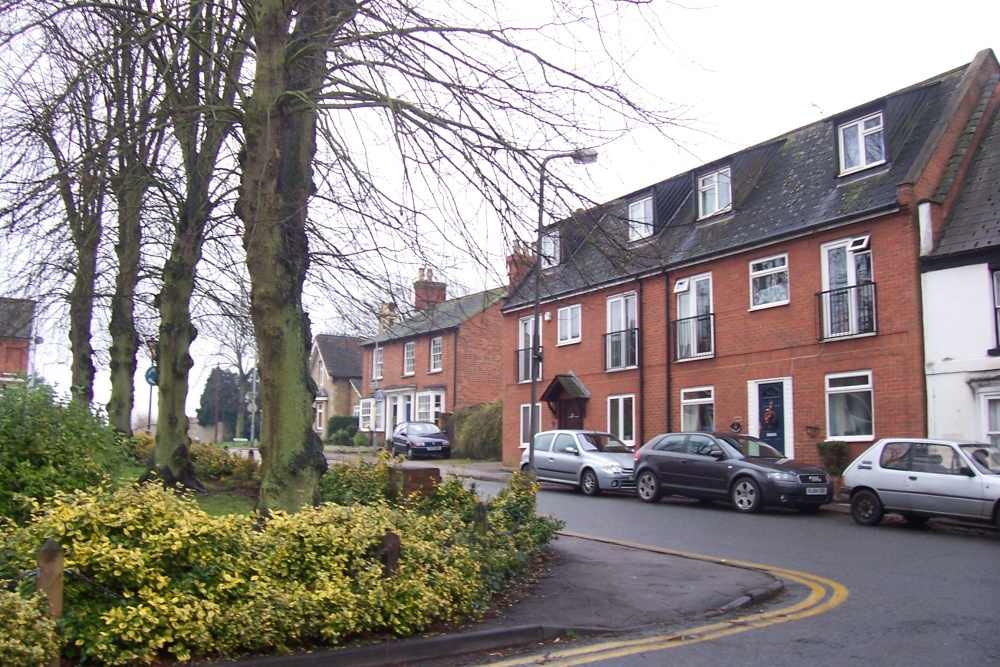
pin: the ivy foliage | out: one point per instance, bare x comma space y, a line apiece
47, 445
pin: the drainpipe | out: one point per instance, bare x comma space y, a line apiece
666, 342
640, 437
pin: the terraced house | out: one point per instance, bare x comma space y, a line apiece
775, 291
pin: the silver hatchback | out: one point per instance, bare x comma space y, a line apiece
592, 461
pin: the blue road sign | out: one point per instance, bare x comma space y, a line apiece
151, 376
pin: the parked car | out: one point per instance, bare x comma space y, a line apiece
726, 466
414, 439
921, 479
592, 461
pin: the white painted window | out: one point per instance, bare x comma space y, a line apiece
526, 424
377, 363
695, 323
640, 219
319, 407
714, 193
848, 300
621, 418
862, 143
991, 417
524, 361
996, 304
550, 249
849, 401
698, 409
436, 354
569, 324
769, 281
429, 404
621, 340
368, 410
409, 352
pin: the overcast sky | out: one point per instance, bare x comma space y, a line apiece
747, 70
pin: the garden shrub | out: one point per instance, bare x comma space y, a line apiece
173, 582
341, 439
336, 423
360, 482
47, 445
142, 448
28, 637
362, 439
479, 432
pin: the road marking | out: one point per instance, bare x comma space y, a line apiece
824, 595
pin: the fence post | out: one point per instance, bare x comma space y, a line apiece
50, 581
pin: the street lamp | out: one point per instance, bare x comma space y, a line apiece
579, 156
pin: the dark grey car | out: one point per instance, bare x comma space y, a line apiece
414, 439
724, 466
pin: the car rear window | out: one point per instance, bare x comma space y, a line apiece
603, 442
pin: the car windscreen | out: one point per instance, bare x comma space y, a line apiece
748, 446
603, 442
422, 429
986, 457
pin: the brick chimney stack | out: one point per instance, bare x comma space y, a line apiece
519, 262
427, 292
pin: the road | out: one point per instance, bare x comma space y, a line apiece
915, 597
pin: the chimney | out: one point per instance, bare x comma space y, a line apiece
386, 315
427, 292
519, 262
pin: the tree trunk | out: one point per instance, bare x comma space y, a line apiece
279, 126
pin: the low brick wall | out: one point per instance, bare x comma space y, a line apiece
407, 481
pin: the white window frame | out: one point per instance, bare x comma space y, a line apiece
715, 192
570, 324
990, 431
621, 418
525, 431
690, 344
622, 317
367, 407
524, 331
854, 249
695, 397
319, 410
409, 357
861, 135
640, 219
436, 354
996, 305
377, 363
550, 250
773, 287
858, 387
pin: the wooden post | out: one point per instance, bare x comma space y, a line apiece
389, 554
50, 581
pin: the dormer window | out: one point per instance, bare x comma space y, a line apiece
640, 219
714, 193
862, 143
550, 249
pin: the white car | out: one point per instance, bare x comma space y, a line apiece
921, 479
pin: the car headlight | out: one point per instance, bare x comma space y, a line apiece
782, 476
612, 467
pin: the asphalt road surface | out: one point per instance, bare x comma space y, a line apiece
913, 597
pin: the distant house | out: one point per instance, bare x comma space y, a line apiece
335, 367
443, 358
960, 280
16, 332
776, 291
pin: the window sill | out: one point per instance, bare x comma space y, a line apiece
765, 306
569, 342
697, 358
435, 371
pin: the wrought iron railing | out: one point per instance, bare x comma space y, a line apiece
695, 336
847, 311
621, 349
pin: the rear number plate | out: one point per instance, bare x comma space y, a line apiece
815, 490
433, 449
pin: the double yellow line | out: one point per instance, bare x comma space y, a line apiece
824, 595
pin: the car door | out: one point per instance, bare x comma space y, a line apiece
703, 471
665, 456
939, 482
562, 462
888, 477
543, 455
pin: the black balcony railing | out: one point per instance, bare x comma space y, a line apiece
621, 349
695, 336
524, 365
847, 311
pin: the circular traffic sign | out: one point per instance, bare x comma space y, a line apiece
151, 376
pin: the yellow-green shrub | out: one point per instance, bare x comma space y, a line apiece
28, 637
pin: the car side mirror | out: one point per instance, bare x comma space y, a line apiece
717, 454
571, 450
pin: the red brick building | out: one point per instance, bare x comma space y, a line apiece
16, 331
774, 292
445, 357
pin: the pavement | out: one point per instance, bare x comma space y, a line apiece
591, 587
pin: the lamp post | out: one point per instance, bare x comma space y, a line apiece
579, 156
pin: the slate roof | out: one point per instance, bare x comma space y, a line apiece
973, 225
441, 316
341, 355
15, 317
785, 187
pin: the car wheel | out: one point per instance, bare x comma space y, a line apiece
589, 484
915, 519
746, 495
409, 452
647, 487
866, 508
